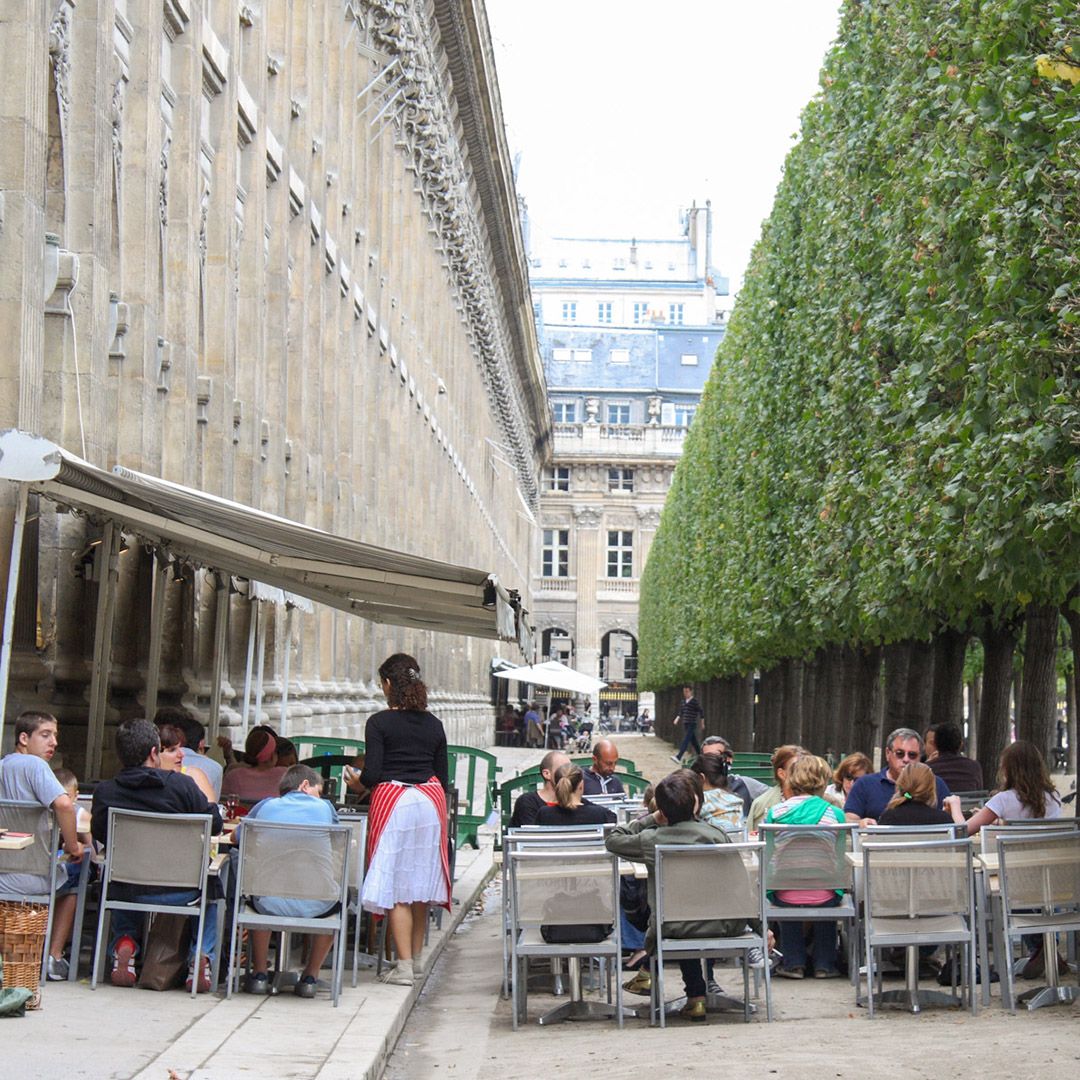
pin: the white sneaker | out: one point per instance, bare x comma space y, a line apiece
57, 969
676, 759
755, 958
396, 975
712, 987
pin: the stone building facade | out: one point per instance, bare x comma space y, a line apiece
628, 331
269, 250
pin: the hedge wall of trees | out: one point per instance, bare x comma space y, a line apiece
885, 462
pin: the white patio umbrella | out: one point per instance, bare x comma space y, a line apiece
552, 673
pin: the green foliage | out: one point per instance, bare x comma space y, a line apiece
887, 444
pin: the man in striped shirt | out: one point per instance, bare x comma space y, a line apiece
690, 716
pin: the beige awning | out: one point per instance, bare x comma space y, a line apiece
218, 534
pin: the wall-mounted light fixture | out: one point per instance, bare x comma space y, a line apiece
52, 264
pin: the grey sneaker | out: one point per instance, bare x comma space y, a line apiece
755, 958
306, 987
259, 983
57, 969
713, 988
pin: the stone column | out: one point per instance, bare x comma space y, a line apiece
588, 564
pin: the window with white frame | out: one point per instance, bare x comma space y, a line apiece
583, 356
641, 313
689, 359
675, 314
557, 478
620, 553
619, 356
569, 311
620, 479
555, 554
618, 412
562, 356
603, 311
565, 412
684, 415
618, 264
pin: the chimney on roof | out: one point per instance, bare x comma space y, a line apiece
633, 251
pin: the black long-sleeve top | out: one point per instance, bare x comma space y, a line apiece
406, 746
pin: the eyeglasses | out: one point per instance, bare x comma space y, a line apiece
911, 755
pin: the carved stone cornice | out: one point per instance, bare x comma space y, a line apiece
447, 178
607, 623
649, 516
588, 517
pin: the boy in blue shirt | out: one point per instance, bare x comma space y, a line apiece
300, 803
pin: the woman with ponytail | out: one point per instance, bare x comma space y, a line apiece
261, 777
571, 808
406, 771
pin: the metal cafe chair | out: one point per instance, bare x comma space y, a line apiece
813, 857
569, 888
1038, 892
158, 852
920, 893
697, 882
38, 858
293, 862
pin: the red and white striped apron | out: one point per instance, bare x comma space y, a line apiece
383, 800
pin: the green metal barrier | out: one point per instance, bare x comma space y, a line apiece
309, 747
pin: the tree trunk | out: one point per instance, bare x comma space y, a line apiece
742, 730
947, 704
809, 735
1070, 717
1038, 707
920, 687
1072, 617
999, 645
866, 700
770, 706
974, 692
897, 661
827, 703
794, 686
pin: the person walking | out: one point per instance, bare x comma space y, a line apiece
690, 715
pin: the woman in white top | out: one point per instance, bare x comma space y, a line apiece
1026, 791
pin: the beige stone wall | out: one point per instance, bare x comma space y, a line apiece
304, 215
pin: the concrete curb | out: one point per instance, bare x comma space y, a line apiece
467, 889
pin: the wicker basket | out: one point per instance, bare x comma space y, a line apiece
22, 943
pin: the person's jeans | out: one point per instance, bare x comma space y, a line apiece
793, 944
130, 922
688, 738
693, 979
632, 937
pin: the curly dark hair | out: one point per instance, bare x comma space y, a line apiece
406, 690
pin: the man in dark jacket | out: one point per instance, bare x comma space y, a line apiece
959, 772
143, 785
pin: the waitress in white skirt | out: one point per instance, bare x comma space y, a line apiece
406, 771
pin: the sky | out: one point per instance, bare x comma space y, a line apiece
625, 112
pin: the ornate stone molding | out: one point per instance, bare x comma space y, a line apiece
163, 183
60, 54
607, 623
436, 152
649, 516
588, 517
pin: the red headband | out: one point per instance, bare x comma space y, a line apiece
269, 747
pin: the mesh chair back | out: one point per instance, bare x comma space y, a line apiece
168, 851
563, 888
1040, 871
919, 879
908, 834
807, 856
707, 881
989, 834
293, 861
29, 817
